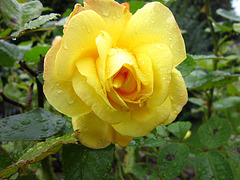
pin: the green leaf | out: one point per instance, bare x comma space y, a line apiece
172, 159
40, 151
212, 165
228, 102
154, 142
199, 79
9, 53
187, 66
35, 23
17, 14
33, 55
228, 15
180, 128
5, 32
233, 151
37, 124
4, 159
162, 131
144, 172
80, 162
207, 57
135, 5
215, 132
236, 27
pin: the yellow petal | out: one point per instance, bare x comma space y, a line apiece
114, 14
88, 94
78, 41
77, 9
104, 44
59, 93
177, 94
144, 120
161, 60
95, 133
86, 66
154, 23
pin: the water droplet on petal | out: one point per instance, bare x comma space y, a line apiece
59, 90
65, 45
70, 101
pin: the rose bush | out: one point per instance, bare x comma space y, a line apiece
114, 73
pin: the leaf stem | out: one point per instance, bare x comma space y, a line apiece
11, 101
47, 169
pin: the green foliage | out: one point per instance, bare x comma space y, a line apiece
214, 133
35, 23
80, 162
33, 55
179, 129
9, 53
17, 14
172, 159
37, 124
228, 15
212, 165
38, 152
187, 66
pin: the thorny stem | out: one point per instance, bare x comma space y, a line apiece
215, 44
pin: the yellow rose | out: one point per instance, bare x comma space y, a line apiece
114, 73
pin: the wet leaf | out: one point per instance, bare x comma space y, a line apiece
37, 124
187, 66
179, 129
80, 162
214, 133
40, 151
172, 159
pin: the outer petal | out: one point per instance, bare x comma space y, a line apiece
154, 23
95, 133
61, 93
88, 94
77, 9
161, 58
177, 94
114, 14
78, 41
144, 120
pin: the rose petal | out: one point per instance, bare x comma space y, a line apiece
77, 9
60, 93
95, 133
104, 43
161, 58
114, 14
144, 120
154, 23
178, 95
78, 41
88, 94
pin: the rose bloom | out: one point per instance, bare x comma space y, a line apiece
115, 73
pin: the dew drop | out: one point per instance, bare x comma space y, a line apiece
44, 129
70, 101
42, 120
59, 90
114, 17
65, 45
59, 121
15, 127
14, 39
106, 13
25, 122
